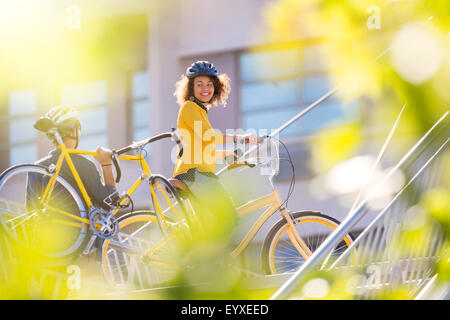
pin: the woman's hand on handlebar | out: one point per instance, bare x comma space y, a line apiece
249, 139
252, 139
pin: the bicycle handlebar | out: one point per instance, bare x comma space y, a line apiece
173, 134
176, 137
116, 165
234, 160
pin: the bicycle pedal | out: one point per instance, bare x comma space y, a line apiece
90, 246
92, 250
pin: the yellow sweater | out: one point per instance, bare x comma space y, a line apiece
199, 139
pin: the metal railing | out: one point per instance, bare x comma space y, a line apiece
373, 245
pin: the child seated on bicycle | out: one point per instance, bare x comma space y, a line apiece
198, 90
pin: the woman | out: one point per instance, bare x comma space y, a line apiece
198, 90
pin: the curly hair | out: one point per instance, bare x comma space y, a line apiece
185, 89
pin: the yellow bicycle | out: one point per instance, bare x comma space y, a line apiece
40, 210
143, 255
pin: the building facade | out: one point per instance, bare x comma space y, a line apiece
127, 95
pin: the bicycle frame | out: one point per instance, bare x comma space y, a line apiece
273, 202
65, 155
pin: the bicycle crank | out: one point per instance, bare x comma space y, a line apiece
103, 223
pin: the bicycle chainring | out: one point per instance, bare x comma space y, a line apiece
103, 223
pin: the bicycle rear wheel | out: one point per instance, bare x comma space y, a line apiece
142, 256
279, 255
139, 257
55, 230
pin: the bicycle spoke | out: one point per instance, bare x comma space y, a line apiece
283, 256
23, 221
27, 222
148, 264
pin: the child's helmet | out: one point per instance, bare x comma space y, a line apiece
65, 119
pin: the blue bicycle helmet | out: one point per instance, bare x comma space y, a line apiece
201, 68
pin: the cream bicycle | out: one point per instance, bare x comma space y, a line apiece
143, 254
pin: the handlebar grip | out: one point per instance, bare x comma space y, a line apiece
117, 166
180, 145
123, 150
176, 137
262, 138
251, 165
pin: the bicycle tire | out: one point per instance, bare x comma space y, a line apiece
38, 228
122, 257
279, 254
123, 266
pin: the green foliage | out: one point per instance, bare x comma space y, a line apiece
362, 37
386, 54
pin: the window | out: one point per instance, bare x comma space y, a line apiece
22, 135
277, 84
90, 101
140, 105
298, 153
269, 90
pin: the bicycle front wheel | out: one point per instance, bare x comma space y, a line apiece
55, 229
280, 255
138, 257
